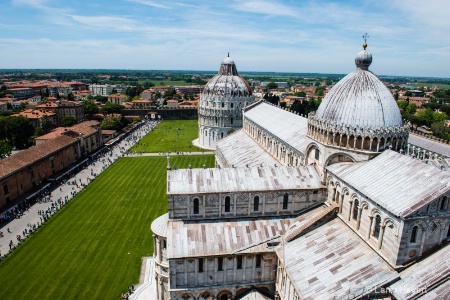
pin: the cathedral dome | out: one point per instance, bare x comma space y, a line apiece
359, 112
360, 99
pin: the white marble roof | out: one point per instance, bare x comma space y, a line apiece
287, 126
240, 150
332, 261
440, 292
423, 275
439, 148
187, 239
195, 181
254, 295
159, 225
394, 181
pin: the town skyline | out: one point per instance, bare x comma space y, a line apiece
406, 39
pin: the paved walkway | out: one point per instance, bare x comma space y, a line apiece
147, 286
20, 227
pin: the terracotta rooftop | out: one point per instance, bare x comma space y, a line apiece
33, 154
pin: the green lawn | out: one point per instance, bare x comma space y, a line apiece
92, 248
170, 135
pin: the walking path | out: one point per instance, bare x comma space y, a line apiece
18, 229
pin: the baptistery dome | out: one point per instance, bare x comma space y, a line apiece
221, 104
360, 105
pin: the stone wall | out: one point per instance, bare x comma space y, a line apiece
214, 206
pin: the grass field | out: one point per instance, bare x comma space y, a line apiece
92, 248
174, 136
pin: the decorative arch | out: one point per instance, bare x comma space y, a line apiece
310, 147
224, 295
187, 296
206, 296
346, 158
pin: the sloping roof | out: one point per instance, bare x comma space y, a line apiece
394, 181
35, 153
254, 295
440, 292
423, 275
287, 126
439, 148
159, 225
239, 150
332, 261
220, 238
193, 181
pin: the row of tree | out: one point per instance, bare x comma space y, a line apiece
16, 132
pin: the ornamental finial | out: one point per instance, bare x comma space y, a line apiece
365, 37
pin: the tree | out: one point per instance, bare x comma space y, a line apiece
272, 85
320, 91
69, 121
402, 104
300, 94
441, 130
18, 130
111, 108
90, 108
411, 108
5, 148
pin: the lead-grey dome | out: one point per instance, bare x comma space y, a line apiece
360, 99
359, 112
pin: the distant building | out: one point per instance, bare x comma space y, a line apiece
172, 104
40, 118
21, 93
64, 109
22, 171
117, 98
101, 89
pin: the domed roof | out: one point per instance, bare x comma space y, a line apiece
360, 99
227, 82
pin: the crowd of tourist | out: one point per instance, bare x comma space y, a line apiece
60, 194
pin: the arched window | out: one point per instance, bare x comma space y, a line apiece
414, 234
258, 261
317, 154
448, 232
355, 209
221, 135
443, 203
196, 206
164, 244
223, 104
227, 204
285, 201
256, 203
231, 105
224, 297
231, 120
376, 230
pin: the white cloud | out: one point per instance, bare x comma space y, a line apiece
150, 3
270, 8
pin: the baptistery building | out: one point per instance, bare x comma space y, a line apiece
221, 104
329, 206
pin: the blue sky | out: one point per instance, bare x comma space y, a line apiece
408, 38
